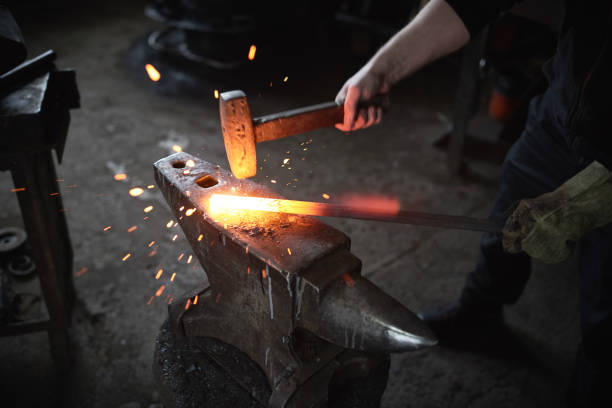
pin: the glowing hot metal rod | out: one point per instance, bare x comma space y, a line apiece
383, 211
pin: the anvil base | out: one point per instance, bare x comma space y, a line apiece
194, 371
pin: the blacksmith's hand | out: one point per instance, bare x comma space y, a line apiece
361, 87
549, 226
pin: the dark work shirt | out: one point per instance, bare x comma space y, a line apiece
576, 104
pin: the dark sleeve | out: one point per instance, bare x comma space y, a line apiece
476, 14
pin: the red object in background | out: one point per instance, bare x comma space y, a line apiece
502, 107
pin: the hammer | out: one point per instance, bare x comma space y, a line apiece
241, 132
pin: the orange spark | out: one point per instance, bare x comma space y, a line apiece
174, 237
273, 181
263, 273
186, 172
172, 277
200, 237
190, 163
126, 257
148, 209
152, 253
150, 186
159, 273
132, 228
81, 272
14, 190
160, 290
136, 191
180, 256
177, 148
285, 79
189, 258
252, 50
120, 176
190, 211
289, 251
325, 196
187, 304
150, 300
151, 244
246, 250
107, 228
169, 224
195, 300
152, 72
181, 208
216, 94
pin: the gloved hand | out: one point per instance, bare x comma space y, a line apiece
362, 86
547, 227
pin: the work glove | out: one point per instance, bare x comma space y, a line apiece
547, 227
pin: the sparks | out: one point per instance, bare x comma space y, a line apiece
200, 237
150, 186
153, 73
285, 79
189, 258
252, 50
190, 211
136, 191
148, 209
120, 176
177, 148
190, 163
216, 94
159, 273
151, 244
126, 257
263, 273
325, 196
169, 224
173, 276
289, 251
195, 300
80, 272
181, 256
107, 228
160, 290
286, 161
273, 181
174, 237
132, 228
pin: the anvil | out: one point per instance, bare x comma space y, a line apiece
275, 277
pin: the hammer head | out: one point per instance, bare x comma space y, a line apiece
238, 133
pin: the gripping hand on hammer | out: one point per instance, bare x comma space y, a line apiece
547, 227
436, 31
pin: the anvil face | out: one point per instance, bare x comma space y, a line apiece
260, 293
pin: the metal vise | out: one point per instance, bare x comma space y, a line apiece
273, 279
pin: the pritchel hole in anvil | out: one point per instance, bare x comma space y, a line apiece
207, 181
178, 164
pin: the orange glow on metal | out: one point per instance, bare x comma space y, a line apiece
148, 208
252, 50
120, 176
223, 204
136, 191
152, 72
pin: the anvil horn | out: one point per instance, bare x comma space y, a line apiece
352, 312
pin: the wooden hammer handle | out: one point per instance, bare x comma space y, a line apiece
302, 120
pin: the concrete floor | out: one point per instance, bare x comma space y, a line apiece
124, 127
